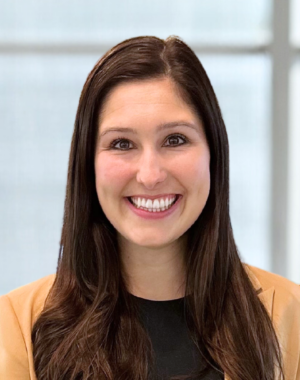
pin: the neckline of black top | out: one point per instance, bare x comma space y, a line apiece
145, 300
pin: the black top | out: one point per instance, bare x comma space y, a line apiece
175, 352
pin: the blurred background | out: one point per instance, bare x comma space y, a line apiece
251, 52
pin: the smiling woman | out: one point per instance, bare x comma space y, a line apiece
149, 283
150, 169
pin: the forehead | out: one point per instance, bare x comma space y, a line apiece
161, 91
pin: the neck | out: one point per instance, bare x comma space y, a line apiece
154, 274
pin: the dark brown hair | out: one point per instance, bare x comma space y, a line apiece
89, 328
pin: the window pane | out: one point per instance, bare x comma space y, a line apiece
93, 21
38, 101
295, 22
38, 104
293, 229
242, 85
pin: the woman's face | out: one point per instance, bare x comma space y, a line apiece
151, 161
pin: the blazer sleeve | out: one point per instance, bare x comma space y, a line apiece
13, 353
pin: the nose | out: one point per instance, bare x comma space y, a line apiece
150, 170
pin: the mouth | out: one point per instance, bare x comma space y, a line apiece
175, 200
155, 213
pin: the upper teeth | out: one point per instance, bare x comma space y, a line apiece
156, 203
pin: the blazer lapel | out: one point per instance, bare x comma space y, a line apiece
265, 295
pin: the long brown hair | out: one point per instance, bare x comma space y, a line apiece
89, 328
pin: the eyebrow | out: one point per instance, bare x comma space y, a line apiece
159, 128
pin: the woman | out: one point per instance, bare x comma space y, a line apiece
150, 290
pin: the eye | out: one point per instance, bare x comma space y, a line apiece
176, 137
123, 142
114, 143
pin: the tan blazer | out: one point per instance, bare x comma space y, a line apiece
20, 308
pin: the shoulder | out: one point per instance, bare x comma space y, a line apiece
281, 297
28, 299
266, 280
18, 312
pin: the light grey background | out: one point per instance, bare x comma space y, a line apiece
47, 50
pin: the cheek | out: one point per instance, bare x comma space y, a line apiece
199, 187
202, 170
195, 174
110, 175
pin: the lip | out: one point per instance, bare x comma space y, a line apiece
154, 215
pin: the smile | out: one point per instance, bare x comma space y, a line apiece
157, 205
154, 213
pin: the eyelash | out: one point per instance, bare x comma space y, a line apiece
114, 142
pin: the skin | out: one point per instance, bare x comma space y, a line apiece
152, 251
